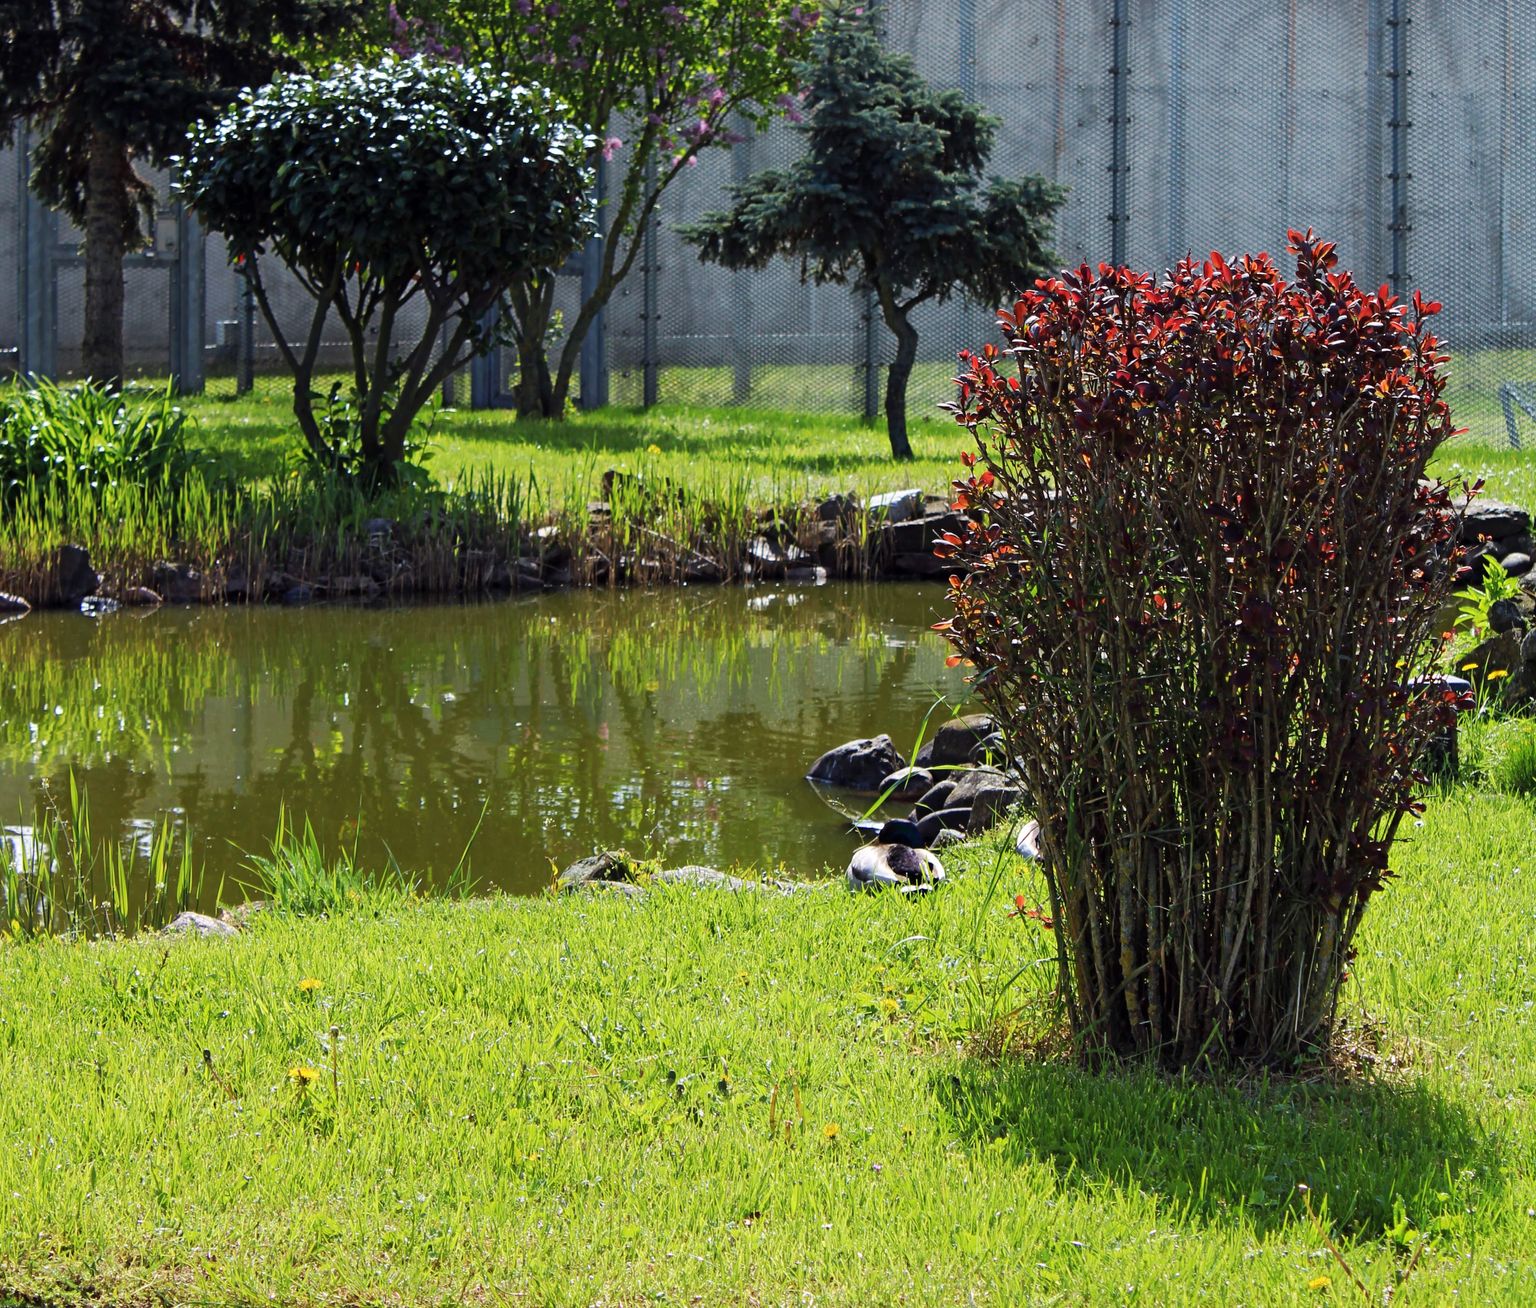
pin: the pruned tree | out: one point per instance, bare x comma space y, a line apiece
654, 82
381, 187
113, 83
888, 197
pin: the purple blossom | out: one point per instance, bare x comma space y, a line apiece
611, 147
673, 14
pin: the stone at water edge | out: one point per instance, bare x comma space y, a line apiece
140, 597
991, 750
897, 506
13, 604
953, 742
970, 784
1517, 565
933, 799
1494, 519
609, 865
72, 577
858, 764
199, 924
908, 783
179, 583
1505, 615
946, 837
991, 806
946, 819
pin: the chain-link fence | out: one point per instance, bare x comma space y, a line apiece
1399, 128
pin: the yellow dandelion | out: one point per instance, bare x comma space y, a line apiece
889, 1006
908, 1131
653, 449
1469, 667
743, 976
301, 1074
1497, 673
831, 1131
309, 985
1319, 1282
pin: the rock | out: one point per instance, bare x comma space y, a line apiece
351, 587
806, 575
1494, 519
1505, 615
237, 583
1521, 544
933, 799
1499, 657
200, 924
945, 838
925, 566
610, 865
908, 783
1528, 647
98, 606
897, 506
835, 508
240, 915
713, 879
968, 785
952, 819
858, 764
140, 597
992, 749
13, 604
1517, 565
71, 578
300, 593
179, 583
953, 742
922, 534
991, 806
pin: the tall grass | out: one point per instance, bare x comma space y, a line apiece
58, 877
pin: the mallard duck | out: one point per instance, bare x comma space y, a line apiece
896, 858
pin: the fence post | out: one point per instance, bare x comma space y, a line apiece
649, 296
39, 298
1397, 73
741, 290
1119, 118
594, 347
188, 282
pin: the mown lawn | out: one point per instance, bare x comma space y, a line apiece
752, 1099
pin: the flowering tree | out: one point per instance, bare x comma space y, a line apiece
653, 83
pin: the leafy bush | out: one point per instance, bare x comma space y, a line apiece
1476, 601
1203, 577
85, 438
411, 185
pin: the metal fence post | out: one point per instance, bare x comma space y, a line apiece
594, 347
1397, 73
649, 297
39, 296
188, 283
1119, 118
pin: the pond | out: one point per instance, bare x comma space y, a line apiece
678, 724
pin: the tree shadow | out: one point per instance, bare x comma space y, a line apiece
1368, 1151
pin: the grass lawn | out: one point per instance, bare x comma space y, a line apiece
752, 1099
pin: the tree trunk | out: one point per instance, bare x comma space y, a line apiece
535, 392
896, 380
106, 241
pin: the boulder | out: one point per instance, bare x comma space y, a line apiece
991, 806
836, 508
968, 785
858, 764
992, 749
200, 924
933, 799
1494, 519
71, 578
925, 566
1528, 647
140, 597
945, 838
13, 604
300, 593
909, 783
946, 819
1517, 565
610, 865
953, 742
897, 506
98, 606
1506, 615
177, 583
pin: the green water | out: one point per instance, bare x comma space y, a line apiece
678, 724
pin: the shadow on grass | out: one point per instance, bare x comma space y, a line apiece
1369, 1152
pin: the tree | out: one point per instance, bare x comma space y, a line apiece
113, 82
887, 197
379, 187
653, 83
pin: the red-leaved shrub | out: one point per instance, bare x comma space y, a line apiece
1201, 584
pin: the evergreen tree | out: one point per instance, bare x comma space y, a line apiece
888, 197
110, 83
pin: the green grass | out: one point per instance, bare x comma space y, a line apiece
606, 1101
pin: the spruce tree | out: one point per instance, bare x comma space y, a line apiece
888, 197
110, 84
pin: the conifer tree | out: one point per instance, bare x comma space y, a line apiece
112, 84
888, 197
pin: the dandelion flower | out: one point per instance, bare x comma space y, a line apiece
301, 1074
653, 448
889, 1005
1497, 673
1319, 1282
831, 1131
309, 985
743, 976
1469, 667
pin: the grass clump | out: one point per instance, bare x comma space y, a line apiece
737, 1098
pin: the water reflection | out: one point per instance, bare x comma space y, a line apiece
678, 723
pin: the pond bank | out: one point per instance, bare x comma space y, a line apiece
483, 541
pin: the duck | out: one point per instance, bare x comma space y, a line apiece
896, 857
